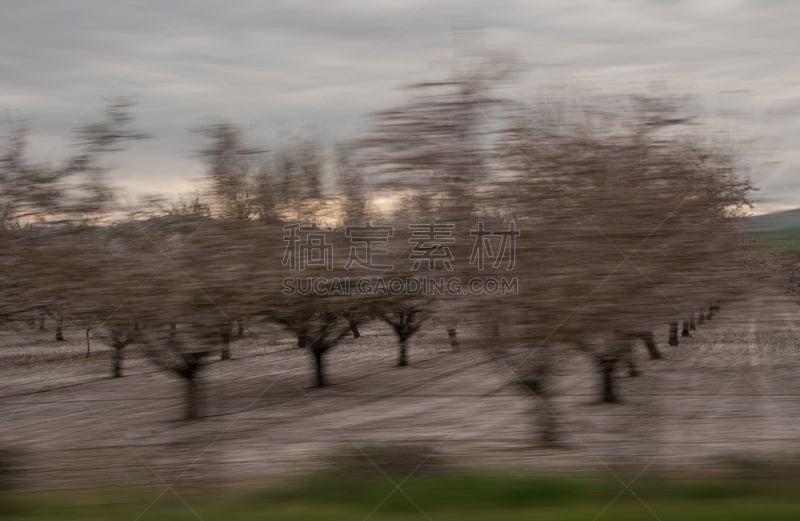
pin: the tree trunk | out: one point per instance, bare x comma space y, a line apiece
116, 362
650, 344
451, 333
710, 312
225, 337
547, 422
685, 329
673, 333
354, 328
59, 331
701, 318
692, 324
548, 430
403, 360
192, 398
319, 366
607, 372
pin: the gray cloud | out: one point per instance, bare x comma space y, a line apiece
283, 66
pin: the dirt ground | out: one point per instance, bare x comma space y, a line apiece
728, 395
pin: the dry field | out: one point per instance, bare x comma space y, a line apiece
725, 397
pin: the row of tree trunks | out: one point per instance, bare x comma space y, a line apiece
690, 324
607, 362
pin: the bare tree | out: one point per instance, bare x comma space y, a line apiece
49, 207
625, 223
232, 171
405, 314
435, 152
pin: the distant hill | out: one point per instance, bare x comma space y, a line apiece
773, 221
779, 230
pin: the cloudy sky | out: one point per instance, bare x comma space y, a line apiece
284, 68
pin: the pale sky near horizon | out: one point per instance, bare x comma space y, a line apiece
283, 68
